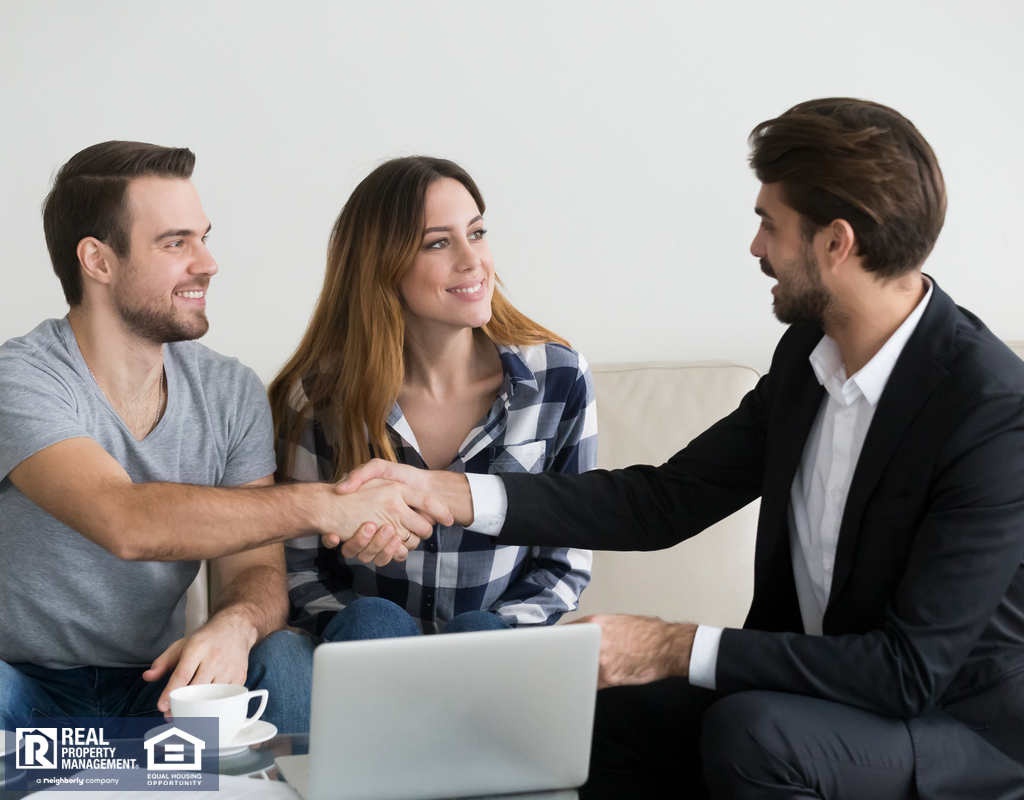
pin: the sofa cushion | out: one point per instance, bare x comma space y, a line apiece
197, 603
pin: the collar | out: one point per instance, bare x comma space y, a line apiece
516, 371
870, 380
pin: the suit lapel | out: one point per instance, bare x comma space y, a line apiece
797, 406
917, 372
789, 440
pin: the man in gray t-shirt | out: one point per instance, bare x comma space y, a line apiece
121, 444
215, 430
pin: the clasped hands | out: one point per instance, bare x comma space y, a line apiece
634, 649
388, 511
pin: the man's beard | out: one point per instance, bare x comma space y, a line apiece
159, 327
801, 296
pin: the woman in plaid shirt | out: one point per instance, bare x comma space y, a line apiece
414, 355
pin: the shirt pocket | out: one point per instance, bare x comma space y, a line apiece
524, 457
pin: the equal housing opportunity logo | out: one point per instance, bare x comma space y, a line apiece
175, 744
115, 753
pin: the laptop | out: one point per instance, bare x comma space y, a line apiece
454, 715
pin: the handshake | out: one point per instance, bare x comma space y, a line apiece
382, 510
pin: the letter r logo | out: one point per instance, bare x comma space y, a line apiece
37, 748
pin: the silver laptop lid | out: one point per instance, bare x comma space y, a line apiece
453, 715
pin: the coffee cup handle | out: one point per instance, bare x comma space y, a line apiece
263, 705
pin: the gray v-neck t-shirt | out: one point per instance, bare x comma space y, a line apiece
65, 601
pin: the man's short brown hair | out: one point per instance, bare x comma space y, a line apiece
840, 158
89, 198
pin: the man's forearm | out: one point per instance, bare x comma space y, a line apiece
257, 599
172, 522
675, 649
80, 484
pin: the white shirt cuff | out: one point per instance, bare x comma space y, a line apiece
490, 502
704, 656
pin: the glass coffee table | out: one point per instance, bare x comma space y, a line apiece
257, 763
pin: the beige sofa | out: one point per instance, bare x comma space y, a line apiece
646, 412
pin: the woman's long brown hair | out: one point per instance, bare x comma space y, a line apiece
350, 362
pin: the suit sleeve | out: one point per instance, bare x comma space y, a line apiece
968, 545
646, 507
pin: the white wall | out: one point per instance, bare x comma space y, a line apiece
608, 139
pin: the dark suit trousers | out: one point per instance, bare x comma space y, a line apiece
670, 739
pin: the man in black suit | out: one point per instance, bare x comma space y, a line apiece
883, 655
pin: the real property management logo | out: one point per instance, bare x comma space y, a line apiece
114, 753
74, 748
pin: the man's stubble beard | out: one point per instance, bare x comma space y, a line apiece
803, 297
159, 327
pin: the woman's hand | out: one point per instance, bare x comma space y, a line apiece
381, 548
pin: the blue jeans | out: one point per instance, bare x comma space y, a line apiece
377, 618
282, 663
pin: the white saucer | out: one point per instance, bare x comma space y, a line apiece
258, 732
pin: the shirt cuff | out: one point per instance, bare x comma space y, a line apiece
704, 656
490, 503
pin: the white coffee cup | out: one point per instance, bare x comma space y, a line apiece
226, 701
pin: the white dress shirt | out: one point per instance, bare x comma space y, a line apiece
818, 494
817, 497
490, 502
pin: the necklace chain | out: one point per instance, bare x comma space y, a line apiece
160, 396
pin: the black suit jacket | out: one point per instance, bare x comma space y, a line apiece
925, 619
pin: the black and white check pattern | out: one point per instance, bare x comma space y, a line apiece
544, 420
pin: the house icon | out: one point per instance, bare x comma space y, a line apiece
173, 755
37, 748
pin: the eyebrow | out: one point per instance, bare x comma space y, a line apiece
445, 228
762, 213
183, 232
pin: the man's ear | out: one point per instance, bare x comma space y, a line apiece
840, 242
97, 259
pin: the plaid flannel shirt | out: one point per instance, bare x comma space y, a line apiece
544, 420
